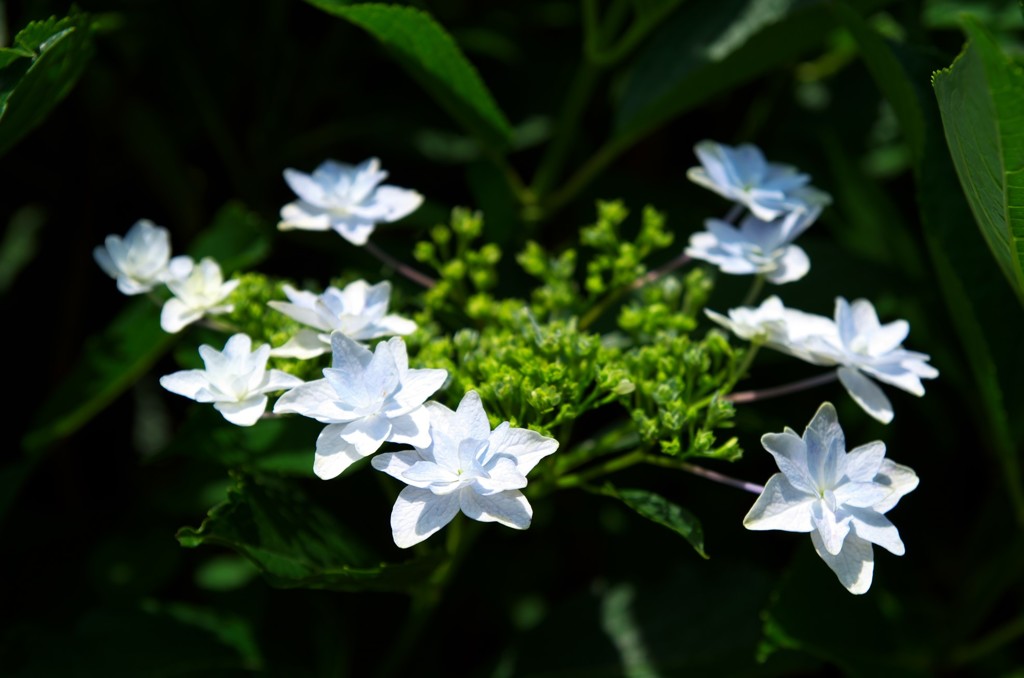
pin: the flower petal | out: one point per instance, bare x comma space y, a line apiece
791, 266
398, 202
861, 495
244, 412
276, 380
470, 421
334, 453
316, 400
366, 435
185, 382
872, 526
176, 315
790, 454
412, 428
527, 447
781, 507
832, 529
417, 386
863, 462
901, 479
854, 564
395, 464
867, 394
419, 513
510, 508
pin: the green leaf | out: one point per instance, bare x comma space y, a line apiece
976, 295
430, 55
283, 446
39, 71
113, 360
710, 47
656, 508
296, 544
981, 99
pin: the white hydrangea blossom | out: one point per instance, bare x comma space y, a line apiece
360, 311
345, 198
466, 467
756, 247
855, 341
741, 174
139, 260
198, 290
839, 497
236, 380
365, 398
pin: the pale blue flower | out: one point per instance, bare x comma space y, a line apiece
756, 247
345, 198
741, 174
365, 398
236, 380
839, 497
466, 467
359, 311
139, 260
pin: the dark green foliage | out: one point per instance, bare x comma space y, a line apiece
560, 295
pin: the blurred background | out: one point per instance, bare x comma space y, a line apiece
186, 107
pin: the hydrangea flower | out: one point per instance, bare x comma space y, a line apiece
359, 311
236, 380
855, 341
783, 329
757, 246
365, 398
345, 198
466, 467
864, 347
139, 260
198, 290
741, 174
839, 497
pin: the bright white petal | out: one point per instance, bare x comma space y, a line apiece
334, 454
395, 464
303, 216
867, 394
366, 435
393, 324
502, 475
877, 529
470, 421
781, 507
861, 495
102, 257
419, 513
510, 508
316, 400
276, 380
176, 315
399, 202
790, 454
424, 473
412, 428
528, 447
305, 187
854, 564
900, 478
356, 231
417, 386
831, 529
863, 462
185, 382
245, 412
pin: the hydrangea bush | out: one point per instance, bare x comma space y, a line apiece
567, 341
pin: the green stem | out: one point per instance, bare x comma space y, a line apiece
748, 359
990, 643
563, 135
585, 174
755, 290
611, 466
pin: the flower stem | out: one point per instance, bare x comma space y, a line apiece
755, 290
785, 389
601, 306
715, 476
660, 272
406, 270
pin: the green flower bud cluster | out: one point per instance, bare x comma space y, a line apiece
618, 262
530, 374
462, 270
676, 403
668, 305
254, 317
